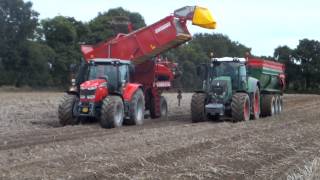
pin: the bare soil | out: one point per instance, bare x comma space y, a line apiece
34, 146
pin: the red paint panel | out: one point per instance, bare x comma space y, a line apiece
260, 63
129, 90
162, 70
139, 46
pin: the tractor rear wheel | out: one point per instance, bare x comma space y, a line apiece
256, 105
198, 103
268, 105
136, 109
240, 107
65, 110
112, 112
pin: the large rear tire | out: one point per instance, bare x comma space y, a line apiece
136, 109
198, 103
112, 112
240, 107
65, 110
268, 105
256, 105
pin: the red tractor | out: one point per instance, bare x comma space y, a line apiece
121, 78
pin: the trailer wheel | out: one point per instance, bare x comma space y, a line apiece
136, 109
268, 105
112, 112
163, 107
240, 107
198, 102
65, 110
256, 105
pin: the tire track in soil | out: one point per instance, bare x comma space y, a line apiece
296, 109
186, 151
53, 136
64, 134
223, 144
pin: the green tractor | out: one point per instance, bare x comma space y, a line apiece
240, 88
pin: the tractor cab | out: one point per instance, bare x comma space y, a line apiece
231, 70
113, 72
224, 76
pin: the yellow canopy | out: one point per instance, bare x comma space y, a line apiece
203, 18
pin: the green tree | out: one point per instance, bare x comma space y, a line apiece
308, 55
284, 54
109, 24
17, 24
61, 34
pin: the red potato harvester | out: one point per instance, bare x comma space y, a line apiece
121, 78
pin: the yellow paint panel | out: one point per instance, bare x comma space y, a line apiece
202, 17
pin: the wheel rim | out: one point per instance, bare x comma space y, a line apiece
118, 116
246, 110
139, 112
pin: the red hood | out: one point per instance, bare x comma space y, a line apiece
92, 83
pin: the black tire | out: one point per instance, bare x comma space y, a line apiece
65, 110
136, 109
240, 107
256, 108
163, 108
112, 112
268, 105
198, 102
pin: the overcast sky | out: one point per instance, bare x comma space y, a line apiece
262, 25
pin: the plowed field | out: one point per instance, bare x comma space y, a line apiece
34, 146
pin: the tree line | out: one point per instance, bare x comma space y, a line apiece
38, 53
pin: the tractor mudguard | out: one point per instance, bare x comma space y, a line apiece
129, 91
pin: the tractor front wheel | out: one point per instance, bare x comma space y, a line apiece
65, 110
198, 102
240, 107
112, 112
